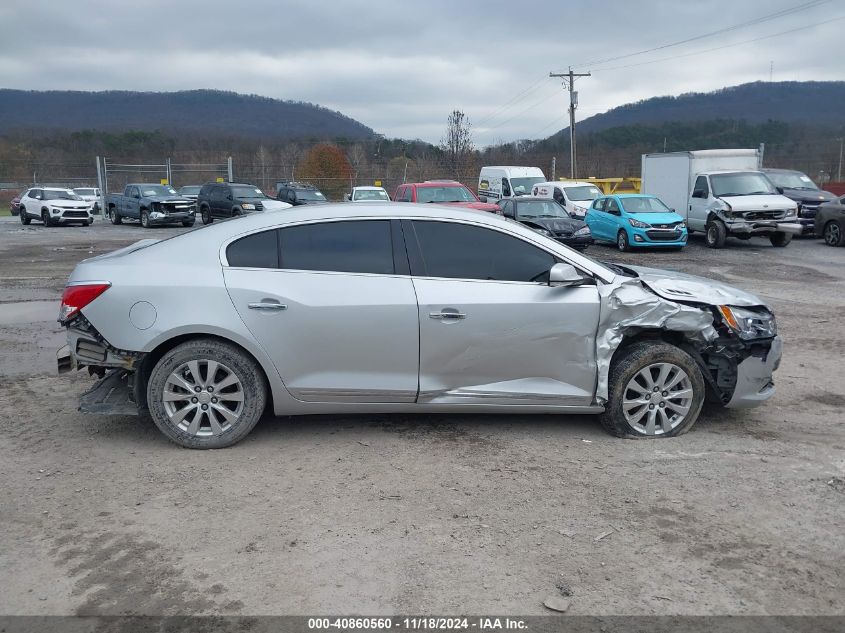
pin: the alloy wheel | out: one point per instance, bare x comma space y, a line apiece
203, 398
832, 234
657, 399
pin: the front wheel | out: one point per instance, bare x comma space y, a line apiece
655, 390
205, 215
25, 219
145, 219
622, 241
206, 394
780, 239
833, 234
114, 216
45, 218
716, 234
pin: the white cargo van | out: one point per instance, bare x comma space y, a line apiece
721, 192
575, 195
496, 183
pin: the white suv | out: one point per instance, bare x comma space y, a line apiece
54, 206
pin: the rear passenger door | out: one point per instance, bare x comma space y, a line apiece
333, 305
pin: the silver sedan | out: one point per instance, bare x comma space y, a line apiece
402, 308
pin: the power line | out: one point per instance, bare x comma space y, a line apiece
760, 20
511, 102
718, 48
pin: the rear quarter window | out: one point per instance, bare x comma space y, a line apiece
259, 250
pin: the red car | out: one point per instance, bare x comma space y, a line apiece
15, 205
449, 192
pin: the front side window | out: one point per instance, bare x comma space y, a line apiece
462, 251
360, 246
259, 250
701, 190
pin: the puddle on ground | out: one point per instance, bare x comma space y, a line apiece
28, 312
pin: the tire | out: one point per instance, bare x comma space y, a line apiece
25, 219
195, 429
88, 222
833, 234
780, 239
145, 218
114, 216
205, 215
45, 218
622, 242
651, 357
715, 234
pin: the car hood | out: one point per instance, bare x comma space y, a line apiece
67, 204
478, 206
775, 202
657, 218
808, 197
683, 288
274, 205
555, 225
174, 199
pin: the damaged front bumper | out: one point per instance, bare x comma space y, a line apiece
762, 227
754, 383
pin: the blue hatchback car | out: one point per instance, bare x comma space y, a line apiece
636, 220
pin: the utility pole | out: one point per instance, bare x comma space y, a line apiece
569, 83
839, 171
554, 160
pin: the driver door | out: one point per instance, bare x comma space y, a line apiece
698, 204
492, 330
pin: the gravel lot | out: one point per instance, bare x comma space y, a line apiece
425, 514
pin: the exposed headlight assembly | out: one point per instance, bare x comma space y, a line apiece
749, 324
638, 224
584, 230
542, 231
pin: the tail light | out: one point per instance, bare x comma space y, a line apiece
78, 295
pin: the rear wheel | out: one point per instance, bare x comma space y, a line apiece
205, 215
622, 241
780, 239
655, 390
833, 234
716, 234
25, 219
206, 394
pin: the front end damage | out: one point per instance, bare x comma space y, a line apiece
118, 390
697, 315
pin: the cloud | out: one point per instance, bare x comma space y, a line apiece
400, 67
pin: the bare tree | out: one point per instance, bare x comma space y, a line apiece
457, 145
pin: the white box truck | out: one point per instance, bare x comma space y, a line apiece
722, 193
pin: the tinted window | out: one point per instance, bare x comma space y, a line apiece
352, 247
701, 186
259, 250
461, 251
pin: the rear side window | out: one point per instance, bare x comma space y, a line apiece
259, 250
461, 251
361, 246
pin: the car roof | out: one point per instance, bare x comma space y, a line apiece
629, 195
528, 199
778, 170
437, 183
369, 188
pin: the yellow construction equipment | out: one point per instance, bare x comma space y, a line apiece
610, 186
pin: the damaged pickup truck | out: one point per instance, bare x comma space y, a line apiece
403, 308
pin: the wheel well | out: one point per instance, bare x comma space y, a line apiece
150, 360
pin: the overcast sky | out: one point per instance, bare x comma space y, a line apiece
400, 67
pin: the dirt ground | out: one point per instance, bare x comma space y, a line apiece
425, 514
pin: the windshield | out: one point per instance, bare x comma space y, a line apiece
190, 190
247, 192
310, 194
645, 205
158, 190
741, 184
370, 194
85, 192
584, 192
523, 186
453, 193
60, 194
540, 209
792, 180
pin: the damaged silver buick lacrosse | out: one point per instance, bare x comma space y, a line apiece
402, 308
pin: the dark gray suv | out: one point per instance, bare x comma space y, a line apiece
296, 193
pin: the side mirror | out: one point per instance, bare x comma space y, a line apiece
564, 275
482, 198
349, 197
698, 193
779, 190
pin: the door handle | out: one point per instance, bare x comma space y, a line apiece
268, 306
447, 315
